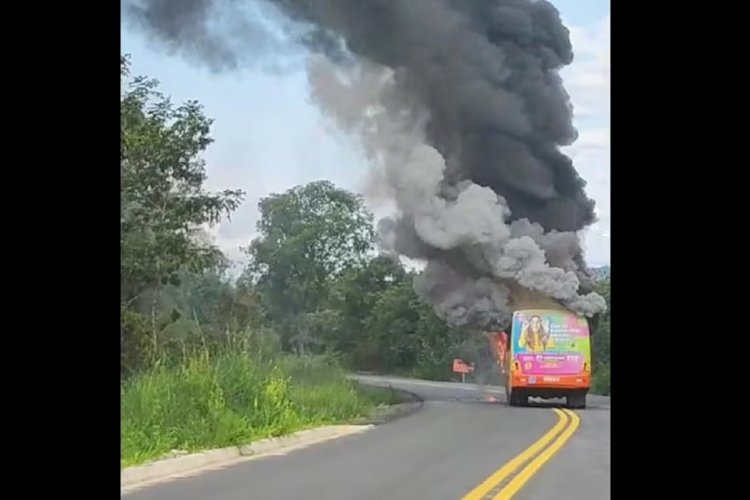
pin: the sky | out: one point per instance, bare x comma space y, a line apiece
268, 137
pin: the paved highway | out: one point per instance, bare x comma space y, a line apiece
460, 445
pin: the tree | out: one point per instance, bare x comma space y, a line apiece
440, 343
399, 332
309, 237
210, 301
393, 325
164, 207
354, 295
601, 341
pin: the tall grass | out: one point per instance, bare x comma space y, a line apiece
233, 397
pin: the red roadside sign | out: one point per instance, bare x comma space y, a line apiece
460, 366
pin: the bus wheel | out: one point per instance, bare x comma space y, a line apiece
523, 399
519, 398
513, 398
577, 400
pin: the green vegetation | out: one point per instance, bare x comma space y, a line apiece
600, 346
208, 361
231, 398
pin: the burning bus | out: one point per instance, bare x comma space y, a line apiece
548, 355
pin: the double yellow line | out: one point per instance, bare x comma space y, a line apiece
566, 425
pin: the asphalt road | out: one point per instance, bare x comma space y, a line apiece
455, 442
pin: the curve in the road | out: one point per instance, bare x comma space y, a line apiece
535, 456
459, 438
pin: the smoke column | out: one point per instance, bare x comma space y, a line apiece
461, 110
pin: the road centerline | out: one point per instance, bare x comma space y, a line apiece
531, 459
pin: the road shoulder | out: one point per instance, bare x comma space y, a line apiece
174, 467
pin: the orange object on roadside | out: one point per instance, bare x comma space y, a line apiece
460, 366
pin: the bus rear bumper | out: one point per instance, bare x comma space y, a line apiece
557, 384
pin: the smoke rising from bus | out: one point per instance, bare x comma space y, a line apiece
461, 110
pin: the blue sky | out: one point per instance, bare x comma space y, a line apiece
268, 137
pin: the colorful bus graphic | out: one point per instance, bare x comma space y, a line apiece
548, 356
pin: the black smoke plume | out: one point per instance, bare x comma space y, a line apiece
460, 107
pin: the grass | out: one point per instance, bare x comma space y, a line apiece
209, 402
